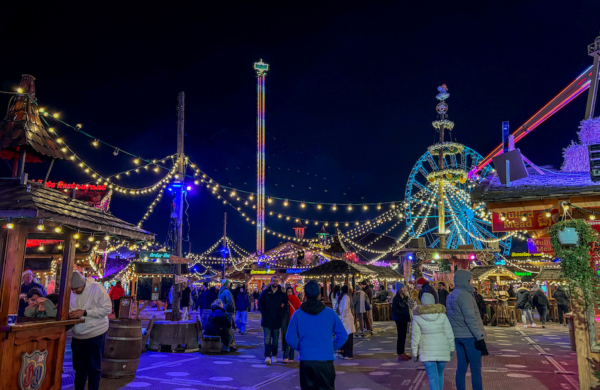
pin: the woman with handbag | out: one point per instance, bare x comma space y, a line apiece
294, 304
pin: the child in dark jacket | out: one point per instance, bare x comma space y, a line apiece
39, 306
217, 324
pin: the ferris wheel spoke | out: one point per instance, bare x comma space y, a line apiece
432, 162
483, 222
435, 242
418, 185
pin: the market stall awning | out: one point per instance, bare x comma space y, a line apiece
493, 271
34, 200
550, 274
384, 272
338, 267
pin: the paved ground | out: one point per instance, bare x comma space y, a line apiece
532, 359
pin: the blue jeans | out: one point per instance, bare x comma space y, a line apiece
271, 341
435, 374
467, 354
241, 318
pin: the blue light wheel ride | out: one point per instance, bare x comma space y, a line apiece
465, 223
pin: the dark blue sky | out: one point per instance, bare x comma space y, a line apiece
350, 94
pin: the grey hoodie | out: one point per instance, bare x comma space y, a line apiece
462, 308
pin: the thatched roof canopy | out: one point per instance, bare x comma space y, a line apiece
338, 267
384, 272
491, 271
550, 274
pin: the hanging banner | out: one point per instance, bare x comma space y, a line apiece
539, 245
523, 220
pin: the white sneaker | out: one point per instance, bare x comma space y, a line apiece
274, 360
533, 325
524, 326
561, 325
268, 360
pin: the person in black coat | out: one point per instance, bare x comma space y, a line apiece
186, 294
562, 301
272, 305
481, 305
217, 324
511, 292
442, 293
542, 304
255, 296
524, 304
401, 306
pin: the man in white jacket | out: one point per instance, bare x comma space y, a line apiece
90, 301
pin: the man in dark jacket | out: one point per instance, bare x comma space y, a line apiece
401, 306
311, 332
481, 305
427, 288
242, 303
511, 292
542, 304
272, 303
217, 324
562, 301
524, 304
442, 293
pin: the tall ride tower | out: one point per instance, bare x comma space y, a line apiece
261, 73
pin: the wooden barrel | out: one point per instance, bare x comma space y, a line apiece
123, 348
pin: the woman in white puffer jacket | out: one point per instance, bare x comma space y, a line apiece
432, 339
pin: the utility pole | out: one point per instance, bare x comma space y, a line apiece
179, 179
224, 256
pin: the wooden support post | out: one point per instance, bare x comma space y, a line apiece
587, 361
346, 281
326, 296
13, 251
332, 285
66, 274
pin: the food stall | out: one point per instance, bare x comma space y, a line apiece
33, 348
491, 281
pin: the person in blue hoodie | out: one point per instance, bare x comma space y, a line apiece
311, 332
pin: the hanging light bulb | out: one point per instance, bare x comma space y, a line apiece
379, 206
302, 205
349, 207
76, 244
41, 247
106, 237
334, 207
76, 235
365, 207
40, 225
91, 238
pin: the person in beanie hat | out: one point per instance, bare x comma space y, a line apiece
432, 340
227, 299
426, 288
272, 303
28, 284
217, 324
89, 301
311, 332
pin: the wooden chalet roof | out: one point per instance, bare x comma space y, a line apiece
384, 272
552, 184
338, 267
141, 268
549, 274
23, 127
34, 200
482, 272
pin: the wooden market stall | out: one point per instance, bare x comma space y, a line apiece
32, 211
501, 312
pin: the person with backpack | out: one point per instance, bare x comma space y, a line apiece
432, 339
524, 303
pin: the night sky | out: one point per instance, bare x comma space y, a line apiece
350, 94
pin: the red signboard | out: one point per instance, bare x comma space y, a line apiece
523, 220
539, 245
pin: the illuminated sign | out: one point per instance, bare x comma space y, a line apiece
538, 246
294, 270
522, 220
154, 255
262, 272
61, 185
523, 273
524, 254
